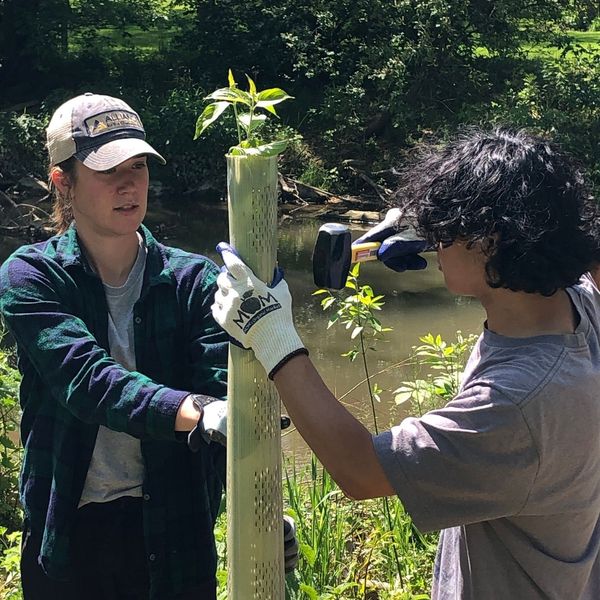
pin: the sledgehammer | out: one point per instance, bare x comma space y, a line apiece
334, 253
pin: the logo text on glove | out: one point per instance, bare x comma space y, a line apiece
254, 308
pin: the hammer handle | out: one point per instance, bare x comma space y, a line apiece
365, 251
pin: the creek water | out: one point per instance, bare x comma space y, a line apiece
415, 303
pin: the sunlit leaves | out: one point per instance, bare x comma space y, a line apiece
230, 79
245, 104
444, 362
355, 311
209, 115
268, 98
251, 87
272, 149
250, 123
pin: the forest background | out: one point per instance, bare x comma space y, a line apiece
371, 79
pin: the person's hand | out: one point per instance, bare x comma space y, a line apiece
254, 314
290, 544
212, 425
399, 250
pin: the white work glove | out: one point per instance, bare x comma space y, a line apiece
254, 314
399, 250
212, 426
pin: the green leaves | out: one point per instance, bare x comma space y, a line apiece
268, 98
249, 121
209, 115
356, 311
10, 448
272, 149
444, 362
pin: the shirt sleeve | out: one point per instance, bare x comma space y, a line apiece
34, 303
208, 352
471, 461
208, 343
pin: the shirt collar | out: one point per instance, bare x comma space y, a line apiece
158, 269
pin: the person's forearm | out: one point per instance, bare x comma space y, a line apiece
341, 442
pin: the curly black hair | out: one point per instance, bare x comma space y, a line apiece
515, 193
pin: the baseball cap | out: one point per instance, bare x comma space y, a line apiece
100, 131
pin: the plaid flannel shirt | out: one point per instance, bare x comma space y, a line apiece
55, 307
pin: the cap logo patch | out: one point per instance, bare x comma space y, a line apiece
111, 120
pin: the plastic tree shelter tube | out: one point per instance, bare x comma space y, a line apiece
254, 497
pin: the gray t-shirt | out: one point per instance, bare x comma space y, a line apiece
117, 467
510, 468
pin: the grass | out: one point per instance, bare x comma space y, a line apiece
586, 37
142, 39
145, 40
588, 40
157, 38
346, 547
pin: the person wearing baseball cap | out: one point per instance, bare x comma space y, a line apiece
124, 380
99, 131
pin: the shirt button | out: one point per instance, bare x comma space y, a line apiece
146, 496
138, 320
152, 557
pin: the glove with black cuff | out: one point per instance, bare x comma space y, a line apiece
212, 424
258, 316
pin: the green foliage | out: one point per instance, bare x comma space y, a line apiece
168, 121
10, 464
10, 556
364, 68
561, 99
347, 549
444, 363
10, 448
94, 14
371, 77
20, 147
221, 544
250, 121
356, 312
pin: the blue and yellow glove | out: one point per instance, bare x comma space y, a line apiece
399, 250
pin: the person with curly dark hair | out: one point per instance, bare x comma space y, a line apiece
517, 197
509, 470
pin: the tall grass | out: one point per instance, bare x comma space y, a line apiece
347, 547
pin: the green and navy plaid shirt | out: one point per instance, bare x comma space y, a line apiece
55, 307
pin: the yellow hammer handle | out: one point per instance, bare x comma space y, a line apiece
364, 252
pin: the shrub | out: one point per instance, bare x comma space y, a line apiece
21, 144
562, 99
10, 448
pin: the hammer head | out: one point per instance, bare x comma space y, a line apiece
331, 256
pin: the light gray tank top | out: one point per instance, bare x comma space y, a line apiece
117, 468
